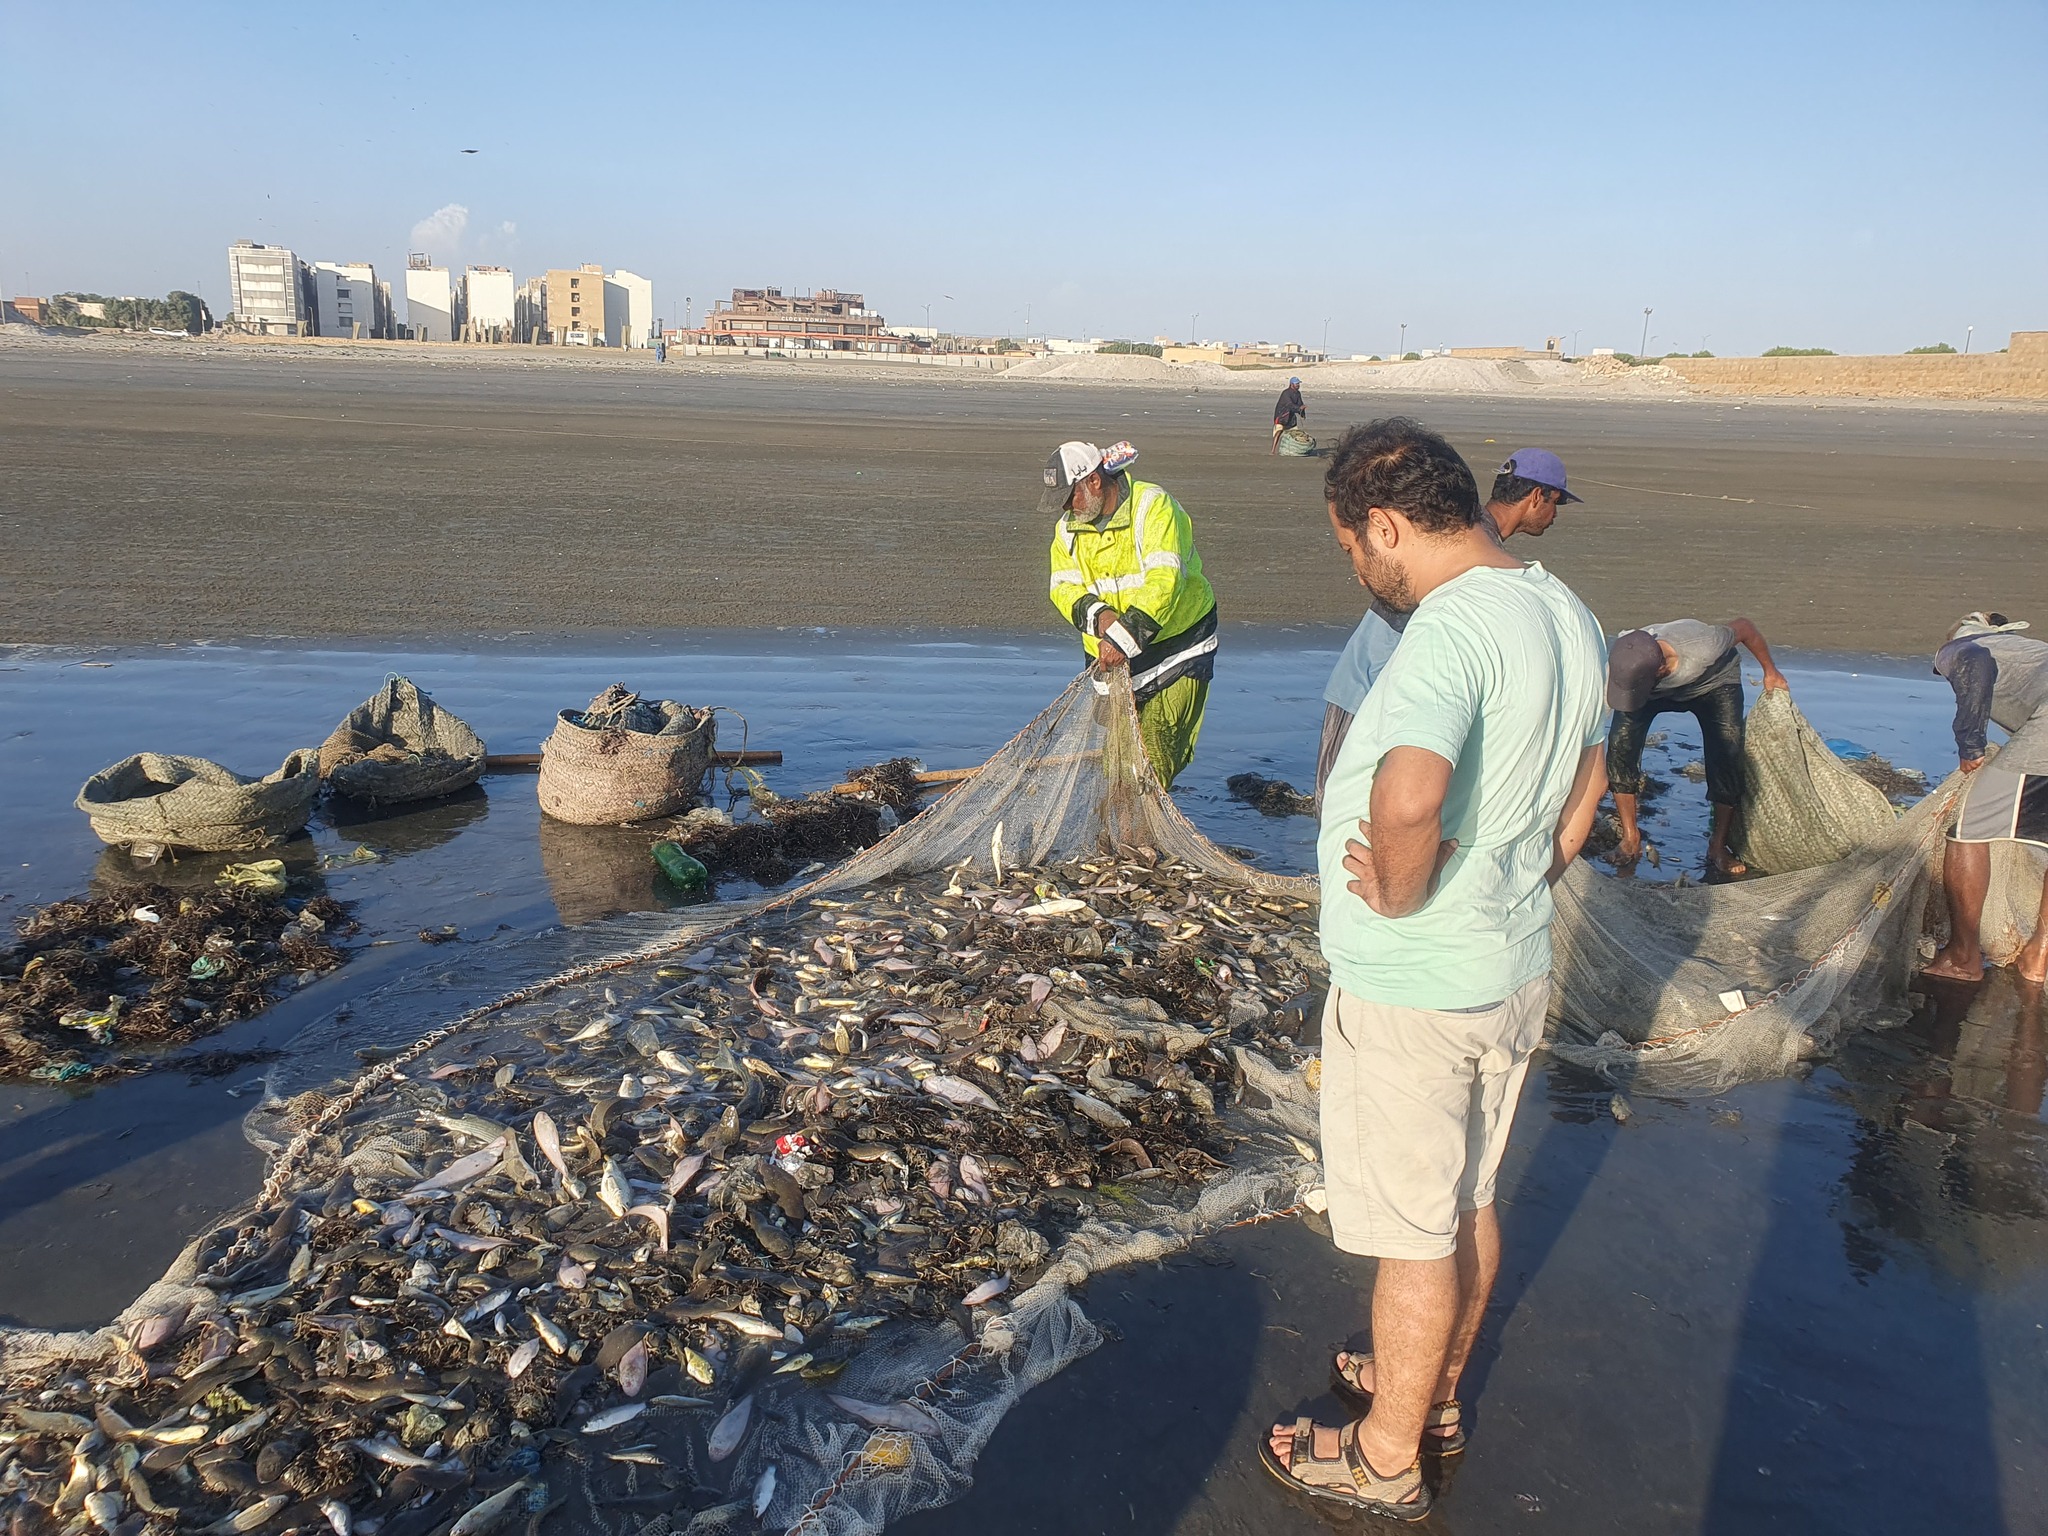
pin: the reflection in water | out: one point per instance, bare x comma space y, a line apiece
189, 870
409, 829
597, 872
1952, 1154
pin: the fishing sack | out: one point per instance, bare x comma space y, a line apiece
187, 802
625, 759
1801, 807
398, 745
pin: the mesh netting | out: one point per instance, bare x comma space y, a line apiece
1690, 989
667, 1222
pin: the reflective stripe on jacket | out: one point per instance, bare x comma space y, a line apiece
1141, 563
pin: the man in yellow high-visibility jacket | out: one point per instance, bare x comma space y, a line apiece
1125, 573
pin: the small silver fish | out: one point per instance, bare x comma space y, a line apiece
764, 1492
548, 1137
463, 1169
988, 1290
390, 1452
522, 1357
339, 1516
612, 1188
731, 1429
612, 1418
911, 1418
469, 1242
552, 1333
484, 1514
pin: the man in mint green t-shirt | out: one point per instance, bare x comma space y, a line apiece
1464, 789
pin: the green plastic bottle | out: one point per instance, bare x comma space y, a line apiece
683, 871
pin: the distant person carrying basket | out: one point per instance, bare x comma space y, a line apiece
1287, 412
2000, 677
1125, 573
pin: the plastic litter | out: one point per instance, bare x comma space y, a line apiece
682, 870
265, 876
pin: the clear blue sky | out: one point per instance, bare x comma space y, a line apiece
1866, 177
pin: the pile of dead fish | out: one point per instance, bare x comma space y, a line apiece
587, 1257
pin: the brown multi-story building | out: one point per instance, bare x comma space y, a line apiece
34, 311
825, 321
573, 300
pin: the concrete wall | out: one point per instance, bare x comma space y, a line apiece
430, 304
2018, 374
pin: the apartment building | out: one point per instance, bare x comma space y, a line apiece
270, 289
490, 304
574, 305
433, 300
826, 321
349, 301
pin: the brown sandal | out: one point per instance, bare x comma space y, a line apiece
1348, 1478
1443, 1429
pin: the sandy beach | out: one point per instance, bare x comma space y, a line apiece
172, 493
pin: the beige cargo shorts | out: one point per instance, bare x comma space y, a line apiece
1416, 1108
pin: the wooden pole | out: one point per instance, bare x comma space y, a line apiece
529, 762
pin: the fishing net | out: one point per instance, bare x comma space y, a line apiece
1801, 807
1691, 989
1043, 1028
1126, 1079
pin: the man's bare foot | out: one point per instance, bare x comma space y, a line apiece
2032, 964
1950, 966
1727, 866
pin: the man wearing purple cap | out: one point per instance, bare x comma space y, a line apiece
1527, 491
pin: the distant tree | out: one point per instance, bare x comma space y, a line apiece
1411, 357
1800, 352
1939, 346
1703, 353
1132, 348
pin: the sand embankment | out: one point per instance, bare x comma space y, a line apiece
1429, 376
2019, 373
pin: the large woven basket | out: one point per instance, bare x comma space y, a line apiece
625, 759
398, 746
188, 802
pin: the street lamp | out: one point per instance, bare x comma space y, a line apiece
1402, 350
1194, 337
1646, 332
1326, 337
1968, 331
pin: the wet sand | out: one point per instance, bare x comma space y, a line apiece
164, 496
1808, 1305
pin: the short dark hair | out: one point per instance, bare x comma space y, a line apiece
1509, 488
1400, 464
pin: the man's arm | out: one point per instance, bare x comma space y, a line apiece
1751, 639
1404, 850
1588, 785
1972, 672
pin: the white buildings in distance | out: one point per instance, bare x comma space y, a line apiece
275, 293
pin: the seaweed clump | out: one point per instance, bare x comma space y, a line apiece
1269, 797
782, 836
95, 984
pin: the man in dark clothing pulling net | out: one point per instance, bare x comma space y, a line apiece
2000, 677
1690, 667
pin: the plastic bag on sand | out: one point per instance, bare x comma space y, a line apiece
188, 802
625, 759
398, 745
1801, 808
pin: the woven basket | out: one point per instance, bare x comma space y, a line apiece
625, 759
188, 802
398, 746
